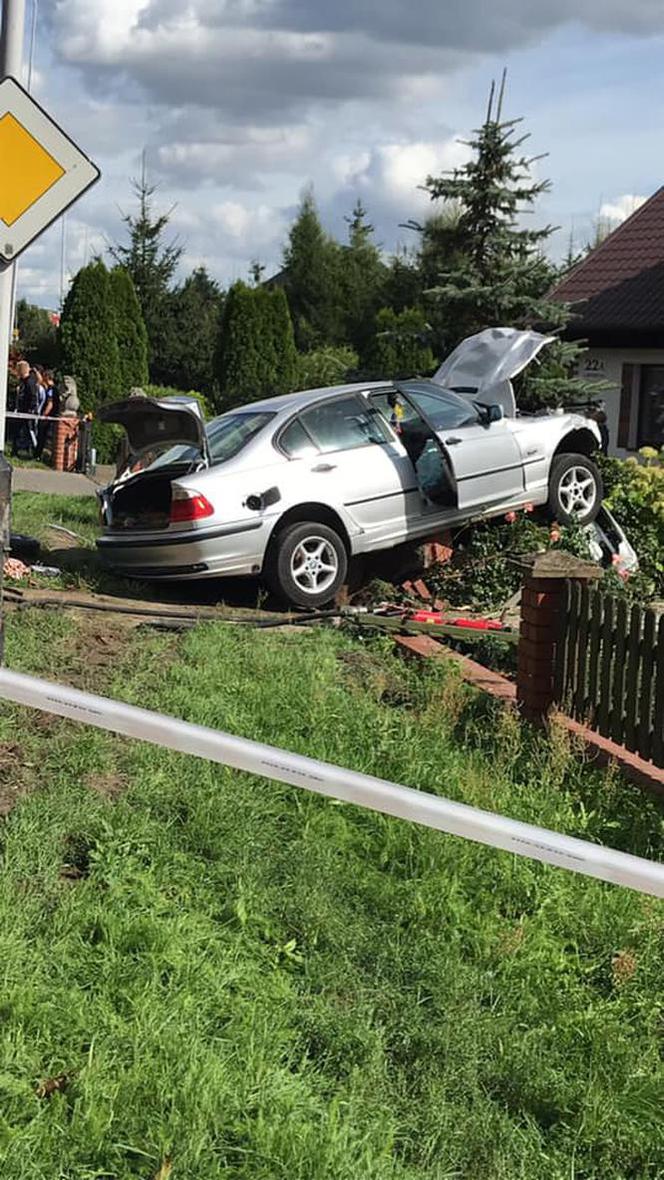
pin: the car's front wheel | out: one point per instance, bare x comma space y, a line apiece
308, 564
575, 489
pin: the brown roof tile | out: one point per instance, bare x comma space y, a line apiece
620, 284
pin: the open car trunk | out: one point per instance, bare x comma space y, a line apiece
143, 502
166, 439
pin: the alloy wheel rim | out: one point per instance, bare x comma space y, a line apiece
314, 565
577, 491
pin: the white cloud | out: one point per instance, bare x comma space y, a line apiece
252, 229
236, 153
621, 208
393, 172
98, 31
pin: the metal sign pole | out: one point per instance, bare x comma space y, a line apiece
5, 521
11, 63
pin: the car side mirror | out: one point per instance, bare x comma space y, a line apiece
494, 414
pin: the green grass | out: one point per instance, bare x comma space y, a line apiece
258, 983
34, 512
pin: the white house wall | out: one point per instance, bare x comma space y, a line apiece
605, 365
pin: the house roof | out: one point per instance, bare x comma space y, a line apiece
619, 286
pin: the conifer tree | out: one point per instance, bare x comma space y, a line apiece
130, 333
312, 280
88, 341
491, 268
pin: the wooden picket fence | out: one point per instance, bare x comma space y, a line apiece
610, 669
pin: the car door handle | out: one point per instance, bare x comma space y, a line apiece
452, 442
324, 467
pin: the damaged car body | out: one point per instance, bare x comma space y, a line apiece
293, 487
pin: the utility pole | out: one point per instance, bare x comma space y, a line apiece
31, 61
11, 64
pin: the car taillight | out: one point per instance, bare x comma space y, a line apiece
186, 505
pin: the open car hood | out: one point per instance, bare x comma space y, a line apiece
158, 423
482, 366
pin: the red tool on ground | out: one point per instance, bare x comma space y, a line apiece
438, 618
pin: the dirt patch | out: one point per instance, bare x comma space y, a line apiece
90, 657
12, 776
109, 785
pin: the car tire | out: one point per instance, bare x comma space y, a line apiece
307, 565
575, 489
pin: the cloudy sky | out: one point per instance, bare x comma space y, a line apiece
240, 103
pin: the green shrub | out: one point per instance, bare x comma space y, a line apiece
325, 366
485, 571
635, 495
161, 391
400, 345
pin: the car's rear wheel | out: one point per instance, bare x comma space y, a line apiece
307, 565
575, 489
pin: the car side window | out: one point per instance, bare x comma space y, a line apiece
393, 408
444, 410
295, 441
343, 424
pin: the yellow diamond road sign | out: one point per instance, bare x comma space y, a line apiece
42, 172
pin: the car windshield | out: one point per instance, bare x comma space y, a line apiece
226, 436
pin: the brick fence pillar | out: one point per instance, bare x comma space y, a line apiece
65, 444
542, 604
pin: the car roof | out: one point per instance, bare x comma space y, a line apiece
295, 401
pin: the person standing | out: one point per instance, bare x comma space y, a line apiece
47, 410
27, 402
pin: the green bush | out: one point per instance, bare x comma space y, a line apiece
485, 570
161, 391
325, 366
635, 495
400, 345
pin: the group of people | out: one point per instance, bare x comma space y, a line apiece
37, 396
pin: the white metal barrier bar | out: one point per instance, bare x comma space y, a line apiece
419, 807
16, 416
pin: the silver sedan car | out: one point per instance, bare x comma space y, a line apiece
293, 487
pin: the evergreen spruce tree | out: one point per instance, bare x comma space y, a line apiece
152, 265
399, 346
492, 270
88, 342
312, 280
403, 282
363, 279
130, 333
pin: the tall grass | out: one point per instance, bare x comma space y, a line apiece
251, 982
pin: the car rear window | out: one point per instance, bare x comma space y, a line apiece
229, 434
